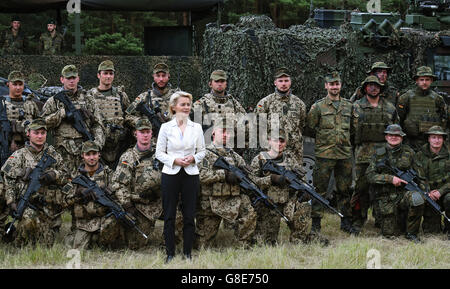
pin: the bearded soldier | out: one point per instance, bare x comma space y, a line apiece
13, 39
136, 184
35, 225
421, 108
113, 102
51, 42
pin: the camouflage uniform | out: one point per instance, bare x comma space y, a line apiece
221, 200
369, 126
419, 110
13, 45
435, 168
136, 184
67, 139
35, 226
401, 210
332, 128
49, 45
4, 210
268, 222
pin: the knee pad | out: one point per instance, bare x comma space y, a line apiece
416, 199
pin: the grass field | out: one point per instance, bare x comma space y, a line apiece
343, 252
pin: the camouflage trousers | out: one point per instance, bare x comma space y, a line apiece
431, 219
34, 230
236, 209
268, 221
343, 176
400, 213
110, 235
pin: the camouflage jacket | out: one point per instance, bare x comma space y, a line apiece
13, 45
137, 173
49, 45
388, 92
212, 179
20, 164
65, 134
370, 123
332, 128
419, 110
435, 168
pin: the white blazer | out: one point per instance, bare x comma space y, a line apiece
172, 144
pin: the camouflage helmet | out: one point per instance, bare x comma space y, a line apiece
218, 75
282, 71
36, 124
143, 123
89, 146
106, 65
371, 79
394, 129
16, 76
424, 71
379, 65
69, 71
332, 77
160, 67
435, 129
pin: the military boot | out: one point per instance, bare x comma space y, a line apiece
315, 225
413, 237
346, 226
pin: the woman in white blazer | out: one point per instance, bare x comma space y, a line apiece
180, 147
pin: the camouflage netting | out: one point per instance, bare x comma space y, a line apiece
251, 50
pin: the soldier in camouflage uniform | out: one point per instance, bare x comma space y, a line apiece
92, 225
221, 196
67, 139
51, 42
113, 102
381, 71
35, 226
373, 115
136, 183
13, 39
20, 109
433, 162
421, 108
277, 189
330, 121
291, 112
401, 210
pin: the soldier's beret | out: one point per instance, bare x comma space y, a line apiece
332, 77
282, 71
15, 18
37, 123
89, 146
160, 67
69, 71
51, 21
16, 76
106, 65
218, 75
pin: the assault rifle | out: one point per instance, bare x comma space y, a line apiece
153, 114
4, 133
297, 184
248, 185
74, 115
409, 176
105, 200
33, 186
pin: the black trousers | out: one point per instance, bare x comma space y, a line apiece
171, 187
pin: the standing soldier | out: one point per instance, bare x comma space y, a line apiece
434, 162
374, 114
13, 39
68, 139
92, 224
421, 108
401, 210
277, 188
51, 42
221, 196
291, 112
136, 184
20, 109
113, 102
330, 121
381, 71
35, 225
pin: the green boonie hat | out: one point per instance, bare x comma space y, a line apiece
425, 71
37, 123
106, 65
332, 77
160, 67
371, 79
435, 129
394, 129
69, 71
143, 123
89, 146
282, 71
16, 76
51, 21
379, 65
218, 75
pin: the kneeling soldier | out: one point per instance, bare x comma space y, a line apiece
400, 210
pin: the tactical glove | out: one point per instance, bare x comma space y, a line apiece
231, 178
278, 180
47, 178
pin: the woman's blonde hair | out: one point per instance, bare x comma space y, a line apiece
174, 99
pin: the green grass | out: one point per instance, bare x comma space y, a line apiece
343, 252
